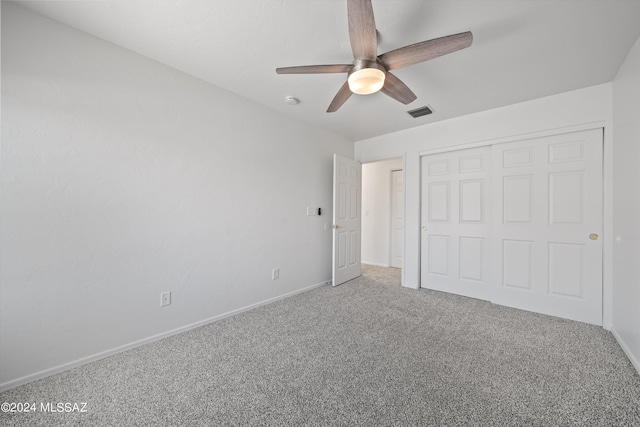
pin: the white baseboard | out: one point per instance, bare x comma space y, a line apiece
634, 361
83, 361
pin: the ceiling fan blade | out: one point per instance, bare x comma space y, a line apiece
423, 51
396, 89
341, 97
315, 69
362, 29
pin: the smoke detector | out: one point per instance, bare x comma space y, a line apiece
291, 100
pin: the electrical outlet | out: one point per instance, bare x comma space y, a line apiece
165, 299
275, 274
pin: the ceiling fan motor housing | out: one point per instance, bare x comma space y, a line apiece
361, 64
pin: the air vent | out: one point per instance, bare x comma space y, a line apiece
419, 112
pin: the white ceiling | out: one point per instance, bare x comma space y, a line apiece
522, 49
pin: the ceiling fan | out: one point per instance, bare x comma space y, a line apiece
369, 71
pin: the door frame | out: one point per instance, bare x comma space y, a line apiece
391, 185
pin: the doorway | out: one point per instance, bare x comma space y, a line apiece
383, 213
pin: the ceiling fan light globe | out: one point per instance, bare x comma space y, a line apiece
366, 81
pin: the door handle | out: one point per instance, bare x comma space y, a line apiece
336, 226
593, 236
424, 228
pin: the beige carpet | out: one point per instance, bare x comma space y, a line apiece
369, 353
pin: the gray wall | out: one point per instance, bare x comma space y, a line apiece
123, 178
626, 180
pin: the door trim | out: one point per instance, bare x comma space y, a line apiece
515, 138
390, 180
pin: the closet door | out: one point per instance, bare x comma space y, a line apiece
547, 225
455, 222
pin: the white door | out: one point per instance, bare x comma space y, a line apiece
397, 218
455, 222
347, 189
548, 225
